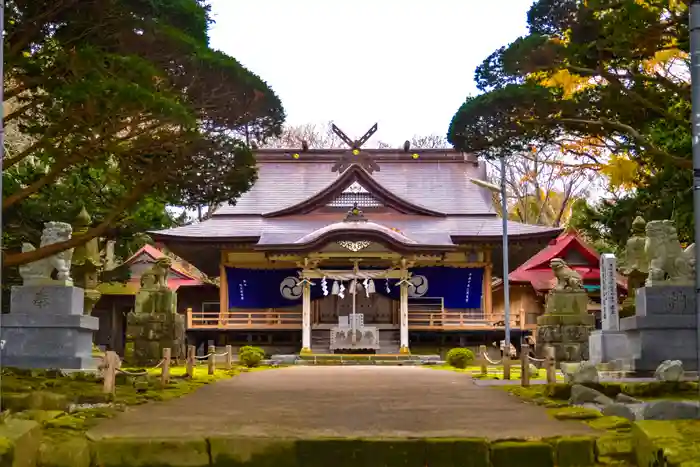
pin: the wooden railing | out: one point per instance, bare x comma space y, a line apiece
446, 320
244, 320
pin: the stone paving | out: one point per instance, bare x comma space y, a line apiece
356, 401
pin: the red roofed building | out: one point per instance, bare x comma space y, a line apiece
530, 283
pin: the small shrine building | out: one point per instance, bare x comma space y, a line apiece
357, 250
531, 282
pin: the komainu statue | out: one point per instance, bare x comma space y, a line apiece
39, 272
668, 262
155, 323
567, 278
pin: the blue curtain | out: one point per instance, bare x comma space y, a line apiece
276, 288
266, 288
459, 287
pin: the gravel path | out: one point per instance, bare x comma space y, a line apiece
341, 401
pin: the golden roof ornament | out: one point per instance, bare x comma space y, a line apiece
355, 214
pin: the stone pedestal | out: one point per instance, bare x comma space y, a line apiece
150, 333
46, 328
565, 325
664, 327
606, 346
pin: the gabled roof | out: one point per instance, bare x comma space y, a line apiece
430, 199
354, 174
538, 273
436, 182
183, 275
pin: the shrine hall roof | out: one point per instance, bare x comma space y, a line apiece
431, 199
438, 180
293, 228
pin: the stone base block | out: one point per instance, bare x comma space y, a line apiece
569, 351
664, 300
607, 346
653, 339
49, 341
564, 302
149, 333
52, 299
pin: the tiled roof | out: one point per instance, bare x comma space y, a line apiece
230, 228
430, 200
438, 185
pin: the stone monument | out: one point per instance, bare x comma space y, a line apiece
566, 323
635, 265
664, 326
155, 324
608, 343
46, 327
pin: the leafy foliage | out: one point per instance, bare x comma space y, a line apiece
251, 356
607, 81
124, 107
460, 357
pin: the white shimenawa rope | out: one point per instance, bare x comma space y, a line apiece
203, 357
492, 362
140, 373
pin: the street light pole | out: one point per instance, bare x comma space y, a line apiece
2, 156
695, 99
506, 283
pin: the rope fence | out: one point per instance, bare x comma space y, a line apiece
111, 366
549, 364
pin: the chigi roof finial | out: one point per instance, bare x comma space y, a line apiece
356, 155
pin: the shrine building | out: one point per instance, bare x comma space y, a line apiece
531, 281
346, 251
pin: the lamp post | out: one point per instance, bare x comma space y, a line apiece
2, 156
506, 283
695, 99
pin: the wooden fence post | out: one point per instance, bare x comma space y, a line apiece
506, 364
189, 364
550, 365
229, 357
165, 369
482, 359
524, 365
110, 372
211, 364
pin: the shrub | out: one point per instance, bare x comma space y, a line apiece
251, 356
460, 357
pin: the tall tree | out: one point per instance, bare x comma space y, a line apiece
608, 82
541, 186
123, 104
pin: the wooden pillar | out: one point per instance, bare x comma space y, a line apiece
223, 290
403, 309
488, 291
306, 319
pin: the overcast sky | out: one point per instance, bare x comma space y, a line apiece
406, 64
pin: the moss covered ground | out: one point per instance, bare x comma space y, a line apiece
494, 372
644, 443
